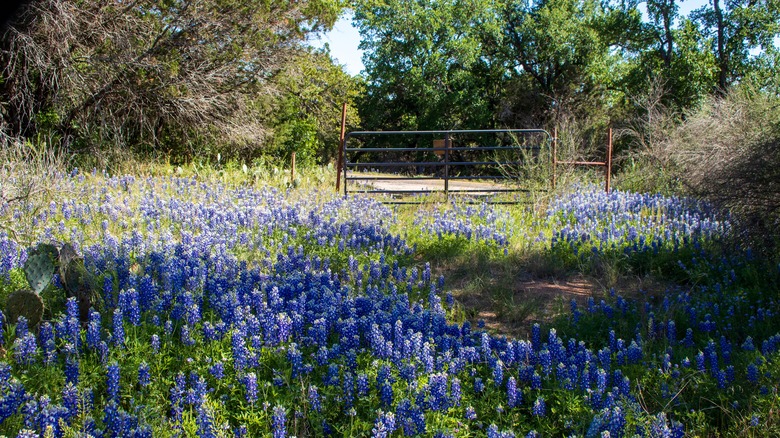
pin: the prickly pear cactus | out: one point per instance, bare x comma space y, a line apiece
40, 266
67, 255
24, 303
77, 281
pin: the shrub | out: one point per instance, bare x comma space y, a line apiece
726, 151
729, 152
649, 167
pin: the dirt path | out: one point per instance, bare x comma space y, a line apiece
529, 301
391, 184
509, 299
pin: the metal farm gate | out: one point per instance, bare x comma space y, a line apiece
402, 164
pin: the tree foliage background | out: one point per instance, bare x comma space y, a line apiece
694, 97
464, 64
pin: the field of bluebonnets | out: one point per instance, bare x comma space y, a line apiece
231, 309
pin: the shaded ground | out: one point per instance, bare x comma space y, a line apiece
509, 300
513, 312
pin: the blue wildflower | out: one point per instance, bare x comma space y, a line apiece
93, 330
250, 384
471, 413
143, 374
25, 345
217, 370
279, 420
112, 381
752, 373
514, 396
118, 334
479, 386
155, 343
539, 409
314, 399
384, 425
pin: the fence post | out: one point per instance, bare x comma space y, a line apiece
608, 164
292, 170
554, 154
340, 159
447, 165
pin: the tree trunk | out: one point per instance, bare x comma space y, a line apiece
723, 57
668, 17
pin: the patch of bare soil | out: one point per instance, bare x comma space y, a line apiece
549, 291
513, 310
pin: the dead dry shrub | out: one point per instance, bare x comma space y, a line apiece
175, 77
650, 165
730, 153
726, 151
581, 137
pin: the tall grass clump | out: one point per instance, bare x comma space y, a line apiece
649, 166
27, 175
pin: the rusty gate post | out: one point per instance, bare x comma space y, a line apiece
292, 169
554, 153
340, 159
447, 165
608, 163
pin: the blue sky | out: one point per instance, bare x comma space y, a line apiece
343, 39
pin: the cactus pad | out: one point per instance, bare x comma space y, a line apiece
24, 303
79, 283
40, 265
67, 255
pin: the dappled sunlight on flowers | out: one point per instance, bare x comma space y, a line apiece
256, 312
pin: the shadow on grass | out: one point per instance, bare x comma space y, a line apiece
509, 291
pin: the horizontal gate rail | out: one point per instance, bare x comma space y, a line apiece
435, 191
434, 163
537, 139
456, 148
427, 178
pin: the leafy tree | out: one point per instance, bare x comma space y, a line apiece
306, 117
556, 42
565, 62
160, 74
764, 76
686, 74
739, 33
662, 14
476, 64
425, 64
693, 70
715, 47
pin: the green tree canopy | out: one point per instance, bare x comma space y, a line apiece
474, 64
739, 33
425, 62
306, 115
